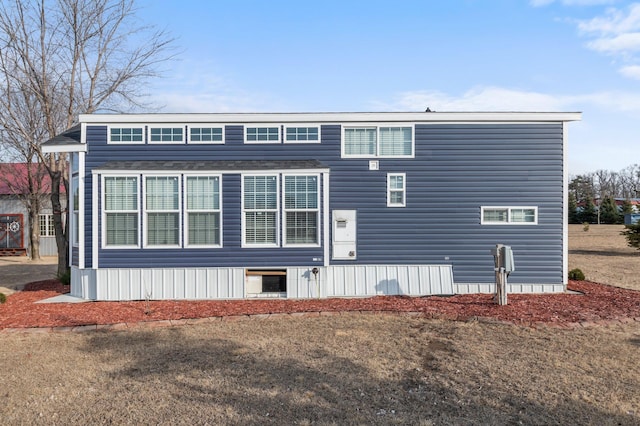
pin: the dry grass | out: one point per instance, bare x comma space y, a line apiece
342, 369
603, 255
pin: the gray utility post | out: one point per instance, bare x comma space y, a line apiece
503, 257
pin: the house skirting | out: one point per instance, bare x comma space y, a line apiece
231, 283
473, 288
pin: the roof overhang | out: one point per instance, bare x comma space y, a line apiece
334, 117
68, 141
218, 166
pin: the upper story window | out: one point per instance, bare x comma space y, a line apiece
377, 141
302, 134
257, 134
206, 135
509, 215
121, 211
126, 134
166, 134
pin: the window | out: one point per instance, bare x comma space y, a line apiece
125, 134
509, 215
162, 208
47, 228
301, 209
260, 210
302, 134
166, 134
203, 210
121, 211
262, 134
396, 190
205, 135
75, 210
378, 142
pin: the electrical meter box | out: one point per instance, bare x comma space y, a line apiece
344, 234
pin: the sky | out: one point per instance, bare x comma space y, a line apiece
407, 55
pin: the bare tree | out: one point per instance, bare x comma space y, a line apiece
61, 58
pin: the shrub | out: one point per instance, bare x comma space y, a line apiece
632, 234
3, 298
64, 278
585, 226
576, 274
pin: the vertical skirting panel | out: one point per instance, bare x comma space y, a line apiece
170, 284
471, 288
83, 283
410, 280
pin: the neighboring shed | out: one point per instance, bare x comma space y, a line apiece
301, 205
14, 217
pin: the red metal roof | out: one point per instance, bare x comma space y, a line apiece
13, 179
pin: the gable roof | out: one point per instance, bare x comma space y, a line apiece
14, 179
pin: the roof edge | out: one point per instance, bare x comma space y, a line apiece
331, 117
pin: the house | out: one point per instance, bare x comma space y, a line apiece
305, 205
14, 216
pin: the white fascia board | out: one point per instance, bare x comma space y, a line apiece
333, 117
76, 147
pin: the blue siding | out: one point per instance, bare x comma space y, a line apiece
457, 169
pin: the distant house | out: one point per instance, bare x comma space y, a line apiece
14, 218
304, 205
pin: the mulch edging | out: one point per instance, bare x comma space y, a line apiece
595, 305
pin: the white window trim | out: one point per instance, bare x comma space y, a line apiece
508, 208
168, 126
187, 211
244, 243
377, 126
146, 212
404, 190
206, 126
276, 125
297, 125
285, 210
125, 126
48, 224
104, 213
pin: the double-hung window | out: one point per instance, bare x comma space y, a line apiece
262, 134
260, 210
162, 208
121, 211
396, 190
203, 210
498, 215
301, 209
47, 228
75, 209
378, 142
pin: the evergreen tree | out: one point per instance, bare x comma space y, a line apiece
588, 213
573, 209
609, 211
627, 208
632, 234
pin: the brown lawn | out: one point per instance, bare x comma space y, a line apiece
341, 369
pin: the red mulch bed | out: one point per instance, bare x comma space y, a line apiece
596, 303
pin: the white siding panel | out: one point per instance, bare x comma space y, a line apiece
411, 280
470, 288
83, 282
162, 284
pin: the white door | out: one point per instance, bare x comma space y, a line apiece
344, 234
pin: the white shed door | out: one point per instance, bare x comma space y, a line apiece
344, 234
